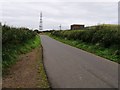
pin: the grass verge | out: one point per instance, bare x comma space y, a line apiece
32, 61
107, 53
11, 52
43, 80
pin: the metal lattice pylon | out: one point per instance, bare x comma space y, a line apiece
40, 24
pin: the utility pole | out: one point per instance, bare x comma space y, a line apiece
60, 26
40, 24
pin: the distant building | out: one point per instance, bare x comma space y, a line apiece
77, 27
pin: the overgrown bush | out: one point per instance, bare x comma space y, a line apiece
105, 35
11, 35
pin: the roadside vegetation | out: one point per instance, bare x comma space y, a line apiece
21, 41
102, 40
16, 41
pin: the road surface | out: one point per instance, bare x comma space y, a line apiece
69, 67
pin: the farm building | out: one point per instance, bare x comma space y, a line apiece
77, 27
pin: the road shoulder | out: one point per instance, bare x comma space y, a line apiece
28, 72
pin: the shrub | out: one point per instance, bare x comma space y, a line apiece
105, 35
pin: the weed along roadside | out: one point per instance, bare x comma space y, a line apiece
43, 81
22, 63
102, 40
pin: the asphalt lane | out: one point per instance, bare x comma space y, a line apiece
69, 67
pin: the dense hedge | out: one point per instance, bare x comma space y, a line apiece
11, 35
103, 35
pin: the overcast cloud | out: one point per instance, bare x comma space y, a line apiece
26, 14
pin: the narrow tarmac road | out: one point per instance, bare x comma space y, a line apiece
69, 67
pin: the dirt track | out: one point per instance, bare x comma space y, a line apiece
24, 74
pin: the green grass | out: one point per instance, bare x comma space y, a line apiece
11, 52
107, 53
42, 77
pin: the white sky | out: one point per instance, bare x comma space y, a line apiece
25, 13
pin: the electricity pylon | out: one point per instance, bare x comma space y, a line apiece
40, 24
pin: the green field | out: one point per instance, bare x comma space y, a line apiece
102, 40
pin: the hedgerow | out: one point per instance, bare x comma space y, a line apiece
105, 35
16, 41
